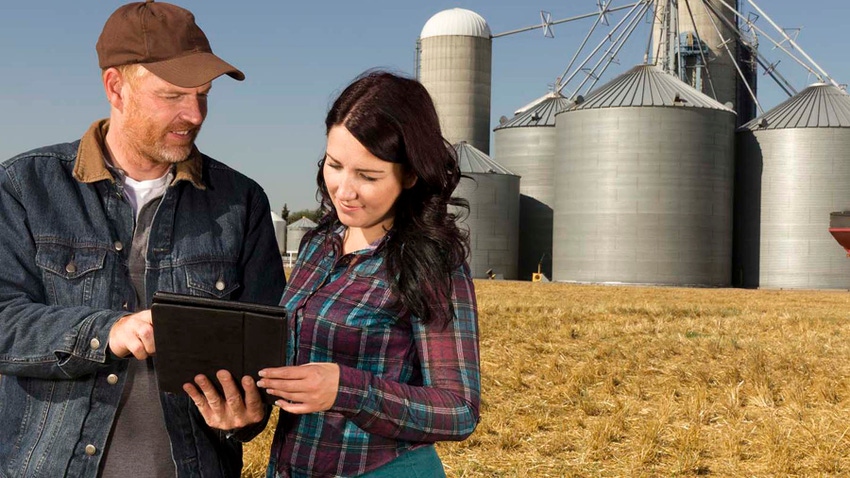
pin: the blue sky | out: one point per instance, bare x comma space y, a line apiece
298, 55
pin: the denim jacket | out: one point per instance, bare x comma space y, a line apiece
64, 281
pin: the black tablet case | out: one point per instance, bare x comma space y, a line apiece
198, 335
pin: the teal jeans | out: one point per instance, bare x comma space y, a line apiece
419, 463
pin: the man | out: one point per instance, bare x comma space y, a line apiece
89, 231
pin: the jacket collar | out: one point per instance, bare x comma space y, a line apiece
91, 163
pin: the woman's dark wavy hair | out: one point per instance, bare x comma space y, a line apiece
394, 118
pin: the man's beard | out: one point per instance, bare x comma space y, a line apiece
149, 141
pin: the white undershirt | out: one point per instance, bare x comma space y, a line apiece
139, 193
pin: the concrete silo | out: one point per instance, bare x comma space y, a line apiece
643, 184
525, 144
709, 17
295, 232
792, 173
493, 220
706, 49
454, 63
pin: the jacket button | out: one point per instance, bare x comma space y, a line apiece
95, 344
71, 268
112, 379
91, 450
219, 285
118, 246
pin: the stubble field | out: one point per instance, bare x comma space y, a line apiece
606, 381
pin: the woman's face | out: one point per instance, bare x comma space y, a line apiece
362, 187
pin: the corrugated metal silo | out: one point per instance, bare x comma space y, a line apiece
493, 221
295, 232
792, 172
525, 144
455, 51
643, 184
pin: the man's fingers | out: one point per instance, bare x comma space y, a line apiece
145, 316
252, 392
195, 395
232, 395
133, 334
211, 395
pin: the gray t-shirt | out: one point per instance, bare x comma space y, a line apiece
138, 444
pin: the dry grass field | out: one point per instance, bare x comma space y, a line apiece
605, 381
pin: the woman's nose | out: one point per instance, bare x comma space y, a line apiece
346, 189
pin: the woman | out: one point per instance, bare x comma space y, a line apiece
383, 323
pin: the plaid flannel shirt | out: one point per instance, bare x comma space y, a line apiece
402, 383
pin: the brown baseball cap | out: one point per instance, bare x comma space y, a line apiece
163, 38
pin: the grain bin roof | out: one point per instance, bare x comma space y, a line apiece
456, 22
473, 160
303, 223
541, 113
818, 106
647, 85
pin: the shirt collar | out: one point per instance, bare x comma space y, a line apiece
91, 164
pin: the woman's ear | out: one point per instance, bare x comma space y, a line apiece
409, 180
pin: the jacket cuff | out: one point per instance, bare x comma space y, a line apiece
248, 433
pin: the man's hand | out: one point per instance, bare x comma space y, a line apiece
232, 411
133, 334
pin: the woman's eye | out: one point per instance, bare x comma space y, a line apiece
368, 178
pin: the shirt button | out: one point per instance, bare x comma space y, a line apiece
91, 450
219, 285
95, 344
112, 379
125, 306
118, 246
71, 268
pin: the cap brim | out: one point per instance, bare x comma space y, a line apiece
193, 70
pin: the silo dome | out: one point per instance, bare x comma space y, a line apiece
792, 173
493, 220
456, 21
295, 232
643, 184
454, 62
525, 144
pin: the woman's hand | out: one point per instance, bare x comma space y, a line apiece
231, 412
304, 388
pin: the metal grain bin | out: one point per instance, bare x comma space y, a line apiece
455, 64
493, 220
643, 184
792, 172
525, 144
295, 232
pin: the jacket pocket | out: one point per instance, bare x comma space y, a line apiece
69, 272
212, 279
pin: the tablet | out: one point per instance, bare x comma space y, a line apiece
199, 335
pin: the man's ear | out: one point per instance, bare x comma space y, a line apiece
113, 85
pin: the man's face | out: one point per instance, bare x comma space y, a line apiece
161, 120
